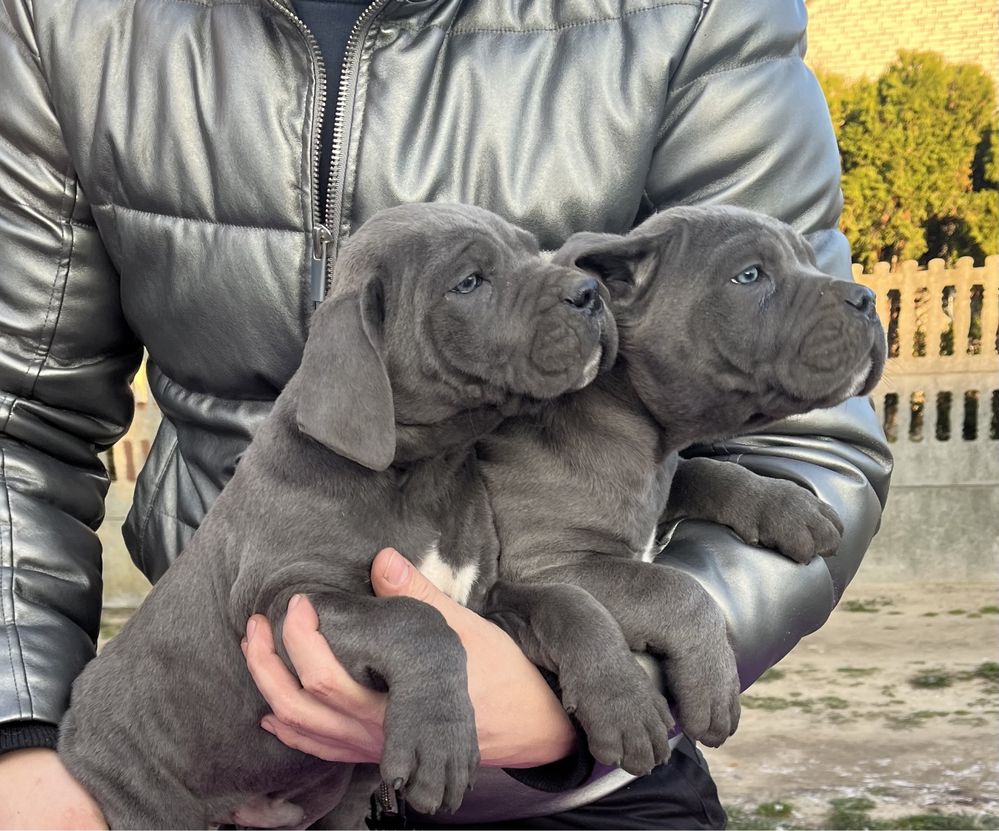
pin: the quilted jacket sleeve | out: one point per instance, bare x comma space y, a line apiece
66, 357
746, 124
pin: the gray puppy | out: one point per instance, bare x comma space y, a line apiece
442, 320
726, 325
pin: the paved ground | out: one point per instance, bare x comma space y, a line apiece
888, 716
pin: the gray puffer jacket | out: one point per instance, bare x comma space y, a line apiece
158, 167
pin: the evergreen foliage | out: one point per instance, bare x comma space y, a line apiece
920, 170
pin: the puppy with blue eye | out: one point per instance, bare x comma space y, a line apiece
725, 325
442, 320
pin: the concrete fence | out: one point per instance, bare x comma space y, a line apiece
939, 403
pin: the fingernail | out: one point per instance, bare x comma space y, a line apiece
242, 645
251, 626
266, 725
295, 600
397, 571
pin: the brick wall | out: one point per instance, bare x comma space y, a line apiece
860, 37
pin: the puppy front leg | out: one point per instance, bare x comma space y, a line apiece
667, 613
774, 513
564, 629
402, 645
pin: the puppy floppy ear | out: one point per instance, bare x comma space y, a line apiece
625, 264
345, 399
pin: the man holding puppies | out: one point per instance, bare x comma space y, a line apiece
161, 173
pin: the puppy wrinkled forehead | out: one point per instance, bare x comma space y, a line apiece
748, 231
439, 227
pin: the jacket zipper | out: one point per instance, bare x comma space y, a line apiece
388, 807
322, 235
345, 95
386, 802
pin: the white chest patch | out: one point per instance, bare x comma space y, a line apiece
456, 583
857, 384
592, 368
648, 554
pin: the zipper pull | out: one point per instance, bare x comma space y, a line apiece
321, 238
388, 807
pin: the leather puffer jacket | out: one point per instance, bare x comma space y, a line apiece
158, 188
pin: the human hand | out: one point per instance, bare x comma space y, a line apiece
36, 791
520, 722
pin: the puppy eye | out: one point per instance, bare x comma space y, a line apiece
469, 284
750, 275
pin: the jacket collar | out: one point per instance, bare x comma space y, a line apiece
394, 9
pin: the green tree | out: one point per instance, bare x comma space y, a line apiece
918, 147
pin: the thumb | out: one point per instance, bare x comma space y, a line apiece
392, 575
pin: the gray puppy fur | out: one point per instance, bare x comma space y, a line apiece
726, 325
443, 319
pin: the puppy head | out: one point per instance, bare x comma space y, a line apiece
727, 323
440, 313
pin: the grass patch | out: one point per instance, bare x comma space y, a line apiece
938, 678
112, 620
806, 705
969, 721
857, 672
850, 812
989, 610
109, 630
957, 612
767, 702
772, 674
774, 810
853, 813
928, 614
931, 679
988, 671
875, 604
918, 822
743, 821
908, 721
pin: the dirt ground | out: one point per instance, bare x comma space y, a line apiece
886, 717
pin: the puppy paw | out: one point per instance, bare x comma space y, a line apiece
431, 751
627, 721
797, 523
703, 686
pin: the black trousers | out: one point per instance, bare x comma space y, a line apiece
679, 794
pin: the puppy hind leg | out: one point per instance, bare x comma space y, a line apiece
353, 807
564, 629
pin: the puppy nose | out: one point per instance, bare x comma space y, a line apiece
584, 294
862, 299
